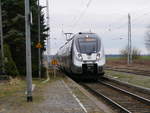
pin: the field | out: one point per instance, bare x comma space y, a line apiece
142, 64
117, 60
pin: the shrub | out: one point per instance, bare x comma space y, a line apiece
136, 53
10, 66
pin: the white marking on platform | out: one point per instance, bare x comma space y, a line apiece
82, 106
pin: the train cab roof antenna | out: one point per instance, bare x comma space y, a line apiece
68, 36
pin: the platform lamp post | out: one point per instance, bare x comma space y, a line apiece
39, 38
1, 35
28, 51
48, 33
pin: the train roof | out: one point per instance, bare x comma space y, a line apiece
77, 35
85, 34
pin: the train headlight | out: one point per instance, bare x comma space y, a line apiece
98, 56
79, 56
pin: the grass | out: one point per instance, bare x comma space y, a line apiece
120, 58
145, 57
113, 58
143, 81
12, 93
17, 86
11, 87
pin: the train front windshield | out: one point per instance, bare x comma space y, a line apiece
87, 45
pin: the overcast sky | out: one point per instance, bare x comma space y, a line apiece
107, 18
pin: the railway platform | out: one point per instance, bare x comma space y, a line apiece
62, 96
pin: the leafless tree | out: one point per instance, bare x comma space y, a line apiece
135, 52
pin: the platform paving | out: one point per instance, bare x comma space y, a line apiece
60, 96
60, 100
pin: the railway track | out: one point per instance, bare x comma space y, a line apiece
127, 70
124, 99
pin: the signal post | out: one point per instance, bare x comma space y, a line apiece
54, 62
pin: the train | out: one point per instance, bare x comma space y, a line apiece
82, 56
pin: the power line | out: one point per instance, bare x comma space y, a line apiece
82, 13
133, 22
137, 18
120, 19
132, 13
88, 4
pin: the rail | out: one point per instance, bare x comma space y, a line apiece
124, 100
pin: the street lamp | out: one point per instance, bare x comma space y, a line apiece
28, 51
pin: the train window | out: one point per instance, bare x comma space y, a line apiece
87, 45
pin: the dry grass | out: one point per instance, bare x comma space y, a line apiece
138, 62
17, 87
139, 80
11, 87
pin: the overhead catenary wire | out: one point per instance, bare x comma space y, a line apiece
109, 29
134, 20
82, 13
141, 19
122, 25
120, 19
